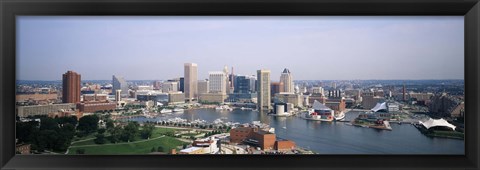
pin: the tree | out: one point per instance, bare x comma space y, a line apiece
88, 123
109, 125
101, 131
147, 131
25, 131
100, 139
67, 119
116, 134
153, 149
130, 131
47, 123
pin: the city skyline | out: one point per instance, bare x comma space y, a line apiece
155, 48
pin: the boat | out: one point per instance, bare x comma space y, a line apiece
166, 111
319, 112
224, 107
217, 121
178, 110
340, 116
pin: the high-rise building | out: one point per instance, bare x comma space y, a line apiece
182, 84
244, 84
71, 87
253, 83
203, 87
263, 89
276, 87
217, 82
190, 81
118, 96
119, 83
287, 80
232, 82
227, 82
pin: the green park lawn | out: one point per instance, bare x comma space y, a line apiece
161, 131
156, 133
137, 147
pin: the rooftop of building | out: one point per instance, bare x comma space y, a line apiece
262, 132
190, 149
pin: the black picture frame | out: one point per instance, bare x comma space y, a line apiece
9, 9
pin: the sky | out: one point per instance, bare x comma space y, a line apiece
311, 47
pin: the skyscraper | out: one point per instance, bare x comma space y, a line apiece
287, 80
243, 84
71, 87
263, 94
119, 83
217, 82
276, 87
232, 82
182, 86
190, 81
227, 82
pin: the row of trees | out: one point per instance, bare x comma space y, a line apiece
212, 133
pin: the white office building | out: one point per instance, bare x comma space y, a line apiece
216, 82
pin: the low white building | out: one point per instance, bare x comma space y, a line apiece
393, 107
209, 145
437, 123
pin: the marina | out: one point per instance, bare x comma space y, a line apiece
334, 137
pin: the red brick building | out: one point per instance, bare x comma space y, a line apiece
338, 105
263, 139
239, 134
284, 145
93, 107
266, 140
71, 87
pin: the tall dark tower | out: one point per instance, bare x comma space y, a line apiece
71, 87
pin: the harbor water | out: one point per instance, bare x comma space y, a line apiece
333, 137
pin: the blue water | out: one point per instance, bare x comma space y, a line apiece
335, 137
